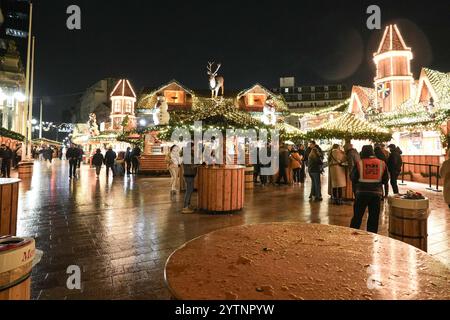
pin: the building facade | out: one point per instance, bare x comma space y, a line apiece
307, 98
14, 22
96, 99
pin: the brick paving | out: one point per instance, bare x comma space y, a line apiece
120, 232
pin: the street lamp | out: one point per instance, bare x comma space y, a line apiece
34, 122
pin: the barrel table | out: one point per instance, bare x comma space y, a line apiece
25, 169
249, 178
9, 194
408, 221
285, 261
16, 259
221, 188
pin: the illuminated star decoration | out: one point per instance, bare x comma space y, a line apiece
383, 90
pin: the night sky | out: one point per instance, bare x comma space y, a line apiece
152, 42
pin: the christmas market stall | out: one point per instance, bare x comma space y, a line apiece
91, 136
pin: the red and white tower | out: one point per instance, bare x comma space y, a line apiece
123, 99
394, 80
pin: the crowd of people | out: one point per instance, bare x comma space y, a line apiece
116, 163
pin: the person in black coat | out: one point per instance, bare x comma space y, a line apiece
72, 154
394, 164
128, 160
97, 161
135, 154
6, 154
110, 158
283, 162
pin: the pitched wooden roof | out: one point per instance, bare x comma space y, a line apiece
123, 88
392, 40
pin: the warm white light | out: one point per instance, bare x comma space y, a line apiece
3, 96
19, 96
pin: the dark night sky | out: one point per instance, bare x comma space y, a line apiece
151, 42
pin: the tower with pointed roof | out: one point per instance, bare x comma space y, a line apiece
394, 80
123, 100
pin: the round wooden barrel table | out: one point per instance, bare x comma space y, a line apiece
221, 188
408, 221
284, 261
9, 194
16, 259
25, 169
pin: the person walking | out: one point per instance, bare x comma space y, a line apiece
337, 163
110, 159
394, 164
48, 156
7, 155
135, 154
296, 161
128, 160
97, 161
382, 156
189, 174
80, 156
315, 169
369, 176
173, 162
283, 163
72, 154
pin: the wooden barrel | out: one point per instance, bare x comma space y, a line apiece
408, 221
25, 169
221, 188
16, 260
249, 178
9, 194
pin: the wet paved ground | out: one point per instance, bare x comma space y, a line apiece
120, 232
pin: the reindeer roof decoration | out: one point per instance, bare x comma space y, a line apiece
215, 82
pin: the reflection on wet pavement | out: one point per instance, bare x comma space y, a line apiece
120, 232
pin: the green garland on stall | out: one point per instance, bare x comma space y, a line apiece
11, 134
326, 134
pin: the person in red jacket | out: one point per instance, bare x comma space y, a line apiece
369, 175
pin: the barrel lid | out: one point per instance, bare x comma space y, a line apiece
420, 204
4, 181
11, 243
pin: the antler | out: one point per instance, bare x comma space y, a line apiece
218, 67
209, 67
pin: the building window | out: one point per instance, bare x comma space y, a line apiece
313, 96
299, 89
128, 106
326, 88
340, 95
117, 106
286, 90
339, 87
300, 97
327, 96
313, 89
175, 97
